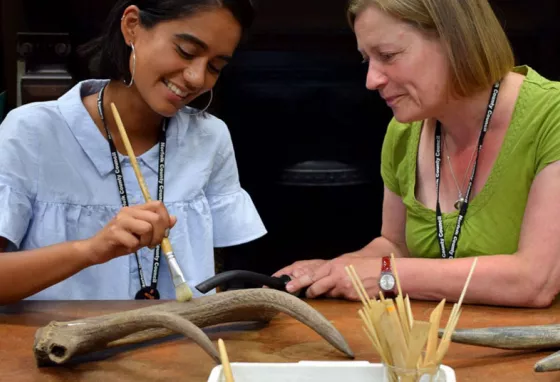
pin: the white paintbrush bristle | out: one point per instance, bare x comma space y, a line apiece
183, 292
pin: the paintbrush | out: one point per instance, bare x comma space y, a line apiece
182, 290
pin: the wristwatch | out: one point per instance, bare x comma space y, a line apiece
387, 279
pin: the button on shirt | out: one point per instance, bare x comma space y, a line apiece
57, 184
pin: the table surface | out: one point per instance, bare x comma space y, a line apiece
283, 340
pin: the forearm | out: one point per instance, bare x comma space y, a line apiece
497, 280
25, 273
381, 246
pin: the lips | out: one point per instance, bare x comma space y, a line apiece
175, 89
392, 100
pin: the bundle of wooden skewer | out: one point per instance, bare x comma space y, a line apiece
409, 347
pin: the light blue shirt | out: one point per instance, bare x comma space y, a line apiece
57, 184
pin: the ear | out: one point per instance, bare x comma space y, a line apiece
130, 23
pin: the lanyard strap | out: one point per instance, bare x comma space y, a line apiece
465, 204
122, 188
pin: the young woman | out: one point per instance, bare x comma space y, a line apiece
73, 222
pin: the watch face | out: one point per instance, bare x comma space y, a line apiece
387, 282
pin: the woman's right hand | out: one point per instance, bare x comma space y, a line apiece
132, 228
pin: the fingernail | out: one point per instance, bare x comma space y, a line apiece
166, 233
290, 288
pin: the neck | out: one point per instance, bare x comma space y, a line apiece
462, 119
142, 124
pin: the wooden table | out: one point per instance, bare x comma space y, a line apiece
284, 340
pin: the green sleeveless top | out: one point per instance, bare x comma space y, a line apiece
493, 221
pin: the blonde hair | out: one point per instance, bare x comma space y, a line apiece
477, 47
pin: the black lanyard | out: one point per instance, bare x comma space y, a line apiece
465, 204
146, 292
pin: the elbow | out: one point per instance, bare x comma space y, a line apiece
539, 292
9, 301
532, 285
542, 300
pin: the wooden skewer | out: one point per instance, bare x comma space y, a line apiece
446, 341
360, 284
226, 367
387, 361
394, 267
408, 311
357, 286
381, 297
403, 317
454, 317
473, 266
374, 341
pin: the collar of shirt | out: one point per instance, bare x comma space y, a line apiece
94, 143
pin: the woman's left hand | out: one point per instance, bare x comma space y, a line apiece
331, 279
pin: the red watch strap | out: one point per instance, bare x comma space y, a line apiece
386, 264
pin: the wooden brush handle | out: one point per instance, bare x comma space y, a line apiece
130, 153
165, 244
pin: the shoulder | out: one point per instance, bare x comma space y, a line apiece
538, 95
30, 122
399, 137
208, 129
538, 103
537, 118
41, 118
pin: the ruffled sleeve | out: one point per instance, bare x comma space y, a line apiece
234, 215
18, 175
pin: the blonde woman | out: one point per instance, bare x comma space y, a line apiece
469, 162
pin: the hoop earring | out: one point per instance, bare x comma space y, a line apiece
207, 106
133, 67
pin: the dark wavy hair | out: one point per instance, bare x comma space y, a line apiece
109, 54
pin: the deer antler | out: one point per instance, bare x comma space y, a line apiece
60, 341
516, 337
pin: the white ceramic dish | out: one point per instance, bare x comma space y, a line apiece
312, 371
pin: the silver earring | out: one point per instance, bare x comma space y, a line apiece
133, 67
207, 106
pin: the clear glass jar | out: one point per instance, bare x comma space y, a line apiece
397, 374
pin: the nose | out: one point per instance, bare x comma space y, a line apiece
375, 78
195, 75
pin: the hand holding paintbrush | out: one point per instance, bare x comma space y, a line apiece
182, 290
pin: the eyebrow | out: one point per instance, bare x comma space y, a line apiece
195, 40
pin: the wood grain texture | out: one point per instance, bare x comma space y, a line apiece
284, 339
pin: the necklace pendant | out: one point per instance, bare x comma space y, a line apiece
459, 203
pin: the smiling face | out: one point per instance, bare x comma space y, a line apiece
178, 60
408, 68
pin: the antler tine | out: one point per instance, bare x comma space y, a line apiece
59, 341
510, 337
